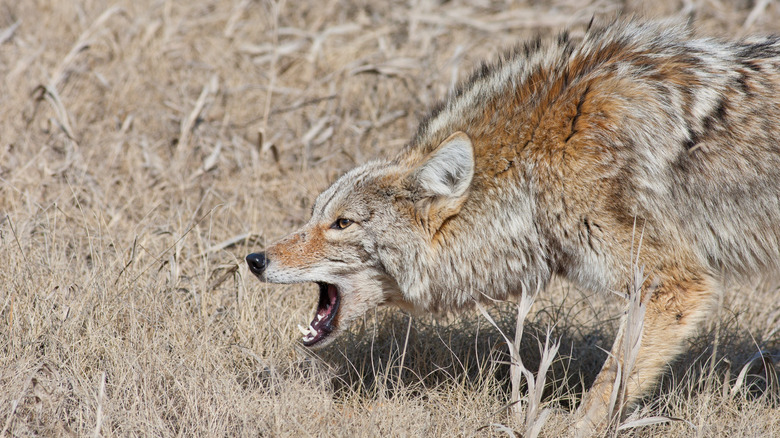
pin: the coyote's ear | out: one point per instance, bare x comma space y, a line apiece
442, 180
448, 170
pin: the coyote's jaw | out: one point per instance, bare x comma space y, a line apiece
325, 316
346, 291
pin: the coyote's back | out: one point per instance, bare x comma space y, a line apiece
682, 134
635, 145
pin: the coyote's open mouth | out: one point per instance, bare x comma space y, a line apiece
325, 318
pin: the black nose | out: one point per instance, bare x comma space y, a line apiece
257, 262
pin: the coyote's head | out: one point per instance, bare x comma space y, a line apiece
370, 235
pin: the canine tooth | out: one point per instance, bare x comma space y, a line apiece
312, 331
303, 330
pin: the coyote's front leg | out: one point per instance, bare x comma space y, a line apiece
677, 301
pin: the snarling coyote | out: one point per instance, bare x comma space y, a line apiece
547, 162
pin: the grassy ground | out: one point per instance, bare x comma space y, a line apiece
147, 147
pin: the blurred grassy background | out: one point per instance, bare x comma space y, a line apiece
147, 146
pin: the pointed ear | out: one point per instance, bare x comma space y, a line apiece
447, 171
441, 182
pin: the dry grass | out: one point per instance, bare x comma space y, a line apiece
146, 147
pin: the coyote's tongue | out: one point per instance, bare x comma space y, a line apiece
322, 324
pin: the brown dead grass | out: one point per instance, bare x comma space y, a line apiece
146, 147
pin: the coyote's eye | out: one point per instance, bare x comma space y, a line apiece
341, 223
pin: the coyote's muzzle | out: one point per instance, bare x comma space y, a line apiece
327, 305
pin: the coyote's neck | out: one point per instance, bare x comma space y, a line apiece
482, 253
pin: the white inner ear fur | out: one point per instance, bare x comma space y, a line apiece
448, 170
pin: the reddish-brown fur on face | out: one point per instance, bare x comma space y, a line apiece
300, 249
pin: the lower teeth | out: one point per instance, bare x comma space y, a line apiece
308, 334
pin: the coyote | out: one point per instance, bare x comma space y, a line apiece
552, 160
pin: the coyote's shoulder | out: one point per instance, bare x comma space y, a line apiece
560, 158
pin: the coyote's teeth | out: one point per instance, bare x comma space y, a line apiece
312, 331
319, 317
303, 330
